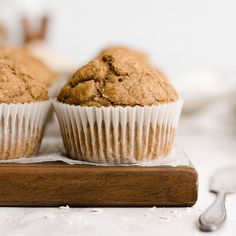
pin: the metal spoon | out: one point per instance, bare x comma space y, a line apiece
222, 183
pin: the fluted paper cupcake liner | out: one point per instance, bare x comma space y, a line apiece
21, 128
118, 134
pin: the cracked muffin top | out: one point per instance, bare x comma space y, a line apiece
117, 78
33, 65
16, 86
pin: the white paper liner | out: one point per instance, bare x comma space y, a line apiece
21, 128
118, 134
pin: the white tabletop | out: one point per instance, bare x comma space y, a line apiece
210, 141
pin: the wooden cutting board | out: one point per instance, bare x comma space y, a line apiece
56, 184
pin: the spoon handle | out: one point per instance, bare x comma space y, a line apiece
215, 215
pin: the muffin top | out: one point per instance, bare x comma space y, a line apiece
33, 65
17, 86
117, 78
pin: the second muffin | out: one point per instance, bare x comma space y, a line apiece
24, 106
117, 109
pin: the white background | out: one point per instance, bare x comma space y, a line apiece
179, 35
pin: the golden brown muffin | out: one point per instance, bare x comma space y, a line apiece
125, 134
32, 64
117, 78
16, 86
23, 109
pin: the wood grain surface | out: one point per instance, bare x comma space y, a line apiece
56, 184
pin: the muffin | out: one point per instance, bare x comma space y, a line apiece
30, 63
117, 109
23, 108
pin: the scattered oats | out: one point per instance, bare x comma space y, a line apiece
96, 211
176, 213
147, 215
164, 218
64, 208
50, 216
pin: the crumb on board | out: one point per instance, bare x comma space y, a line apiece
152, 208
64, 208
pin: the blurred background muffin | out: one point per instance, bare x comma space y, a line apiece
23, 110
36, 67
18, 86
